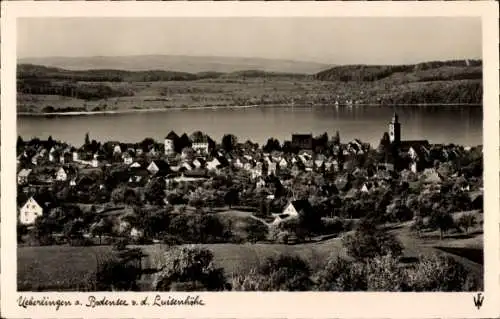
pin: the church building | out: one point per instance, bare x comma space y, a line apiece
418, 151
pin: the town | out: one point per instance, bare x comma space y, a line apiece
190, 189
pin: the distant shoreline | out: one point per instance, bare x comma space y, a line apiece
130, 111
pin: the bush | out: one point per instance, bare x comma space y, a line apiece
256, 230
467, 221
332, 225
284, 273
113, 274
370, 242
442, 221
288, 273
188, 265
121, 244
440, 273
384, 273
252, 281
342, 275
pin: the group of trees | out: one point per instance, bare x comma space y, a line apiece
94, 91
373, 265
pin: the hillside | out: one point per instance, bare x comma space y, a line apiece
179, 63
50, 89
422, 72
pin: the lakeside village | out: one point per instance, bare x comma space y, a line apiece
181, 190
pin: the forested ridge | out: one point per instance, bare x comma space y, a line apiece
448, 82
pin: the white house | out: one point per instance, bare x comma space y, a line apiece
260, 183
61, 175
199, 163
30, 211
213, 164
117, 149
199, 142
135, 165
256, 171
293, 210
95, 162
51, 154
187, 166
127, 158
22, 177
237, 163
271, 169
283, 163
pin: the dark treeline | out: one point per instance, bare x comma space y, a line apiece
94, 91
429, 71
30, 71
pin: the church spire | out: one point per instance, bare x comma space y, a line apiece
395, 118
395, 129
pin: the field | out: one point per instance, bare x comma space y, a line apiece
64, 267
199, 93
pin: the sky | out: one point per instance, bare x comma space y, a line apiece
329, 40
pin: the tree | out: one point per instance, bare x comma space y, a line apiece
188, 269
87, 139
418, 225
336, 138
21, 231
229, 142
50, 142
44, 229
288, 273
103, 227
342, 275
368, 242
147, 144
467, 221
130, 197
114, 273
154, 221
20, 142
441, 220
440, 273
272, 145
256, 230
155, 191
73, 229
231, 197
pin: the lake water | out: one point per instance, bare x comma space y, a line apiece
439, 124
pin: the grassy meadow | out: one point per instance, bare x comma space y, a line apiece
66, 267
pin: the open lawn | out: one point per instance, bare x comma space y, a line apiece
65, 268
56, 267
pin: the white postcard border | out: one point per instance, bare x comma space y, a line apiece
260, 305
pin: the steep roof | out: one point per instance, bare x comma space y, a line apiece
416, 144
199, 137
162, 165
24, 172
303, 140
171, 136
301, 205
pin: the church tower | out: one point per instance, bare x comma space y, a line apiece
395, 130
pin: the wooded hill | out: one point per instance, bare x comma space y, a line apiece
431, 82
